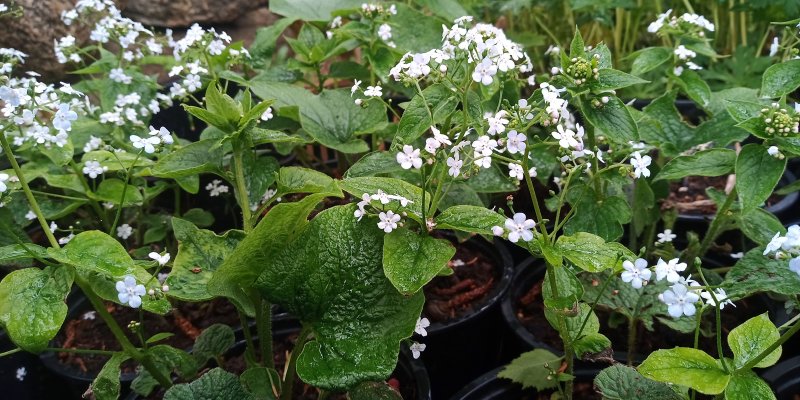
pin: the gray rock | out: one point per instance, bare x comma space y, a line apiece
182, 13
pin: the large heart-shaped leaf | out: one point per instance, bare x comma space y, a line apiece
411, 260
331, 277
757, 174
687, 367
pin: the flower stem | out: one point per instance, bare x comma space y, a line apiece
241, 185
28, 194
10, 352
124, 192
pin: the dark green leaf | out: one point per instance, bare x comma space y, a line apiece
216, 384
612, 120
192, 159
411, 260
757, 174
534, 369
106, 386
746, 385
781, 79
472, 219
214, 341
620, 382
592, 253
712, 162
649, 59
437, 101
756, 273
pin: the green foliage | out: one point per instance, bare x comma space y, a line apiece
216, 384
106, 385
687, 367
533, 369
213, 342
752, 337
781, 79
620, 382
757, 174
411, 260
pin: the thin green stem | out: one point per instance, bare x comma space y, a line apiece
791, 321
250, 352
713, 229
632, 333
95, 205
241, 185
28, 194
10, 352
264, 329
716, 306
534, 199
124, 192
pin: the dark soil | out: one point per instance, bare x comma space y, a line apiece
186, 322
451, 297
689, 195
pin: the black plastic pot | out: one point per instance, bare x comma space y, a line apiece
459, 350
489, 387
37, 383
784, 378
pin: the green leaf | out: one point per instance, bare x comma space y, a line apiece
18, 252
259, 175
263, 136
411, 260
111, 190
166, 359
687, 367
159, 337
192, 159
612, 79
649, 59
472, 219
334, 120
603, 217
234, 279
781, 79
310, 10
260, 382
534, 369
760, 225
106, 385
59, 155
757, 174
612, 120
752, 337
436, 100
712, 162
331, 277
374, 391
358, 186
199, 217
746, 385
198, 249
577, 47
267, 37
756, 273
304, 180
415, 32
101, 260
670, 130
216, 384
591, 253
621, 382
214, 341
695, 87
447, 9
32, 306
372, 164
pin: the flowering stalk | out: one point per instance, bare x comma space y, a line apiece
241, 187
124, 192
717, 307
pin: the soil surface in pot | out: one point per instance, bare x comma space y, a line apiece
688, 196
185, 322
474, 277
529, 309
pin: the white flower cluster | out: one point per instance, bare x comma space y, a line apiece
482, 45
129, 109
156, 137
685, 56
786, 247
387, 220
10, 58
43, 113
687, 23
683, 294
216, 188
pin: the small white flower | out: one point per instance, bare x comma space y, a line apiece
515, 171
409, 157
640, 165
519, 227
636, 273
267, 114
497, 123
722, 298
21, 371
30, 215
118, 75
516, 142
484, 72
666, 236
162, 259
388, 221
66, 239
89, 315
685, 54
129, 292
773, 48
161, 133
385, 32
373, 91
775, 244
53, 227
416, 349
124, 231
566, 137
737, 255
216, 47
680, 301
422, 323
215, 188
497, 230
353, 89
192, 82
669, 270
794, 265
773, 151
148, 143
94, 169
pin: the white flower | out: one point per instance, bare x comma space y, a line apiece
373, 91
566, 137
667, 236
53, 227
216, 47
267, 114
669, 270
722, 298
737, 255
118, 75
64, 116
92, 144
89, 315
775, 244
484, 72
129, 292
353, 89
94, 169
161, 133
516, 142
192, 82
30, 215
124, 231
148, 144
66, 239
215, 188
637, 273
21, 371
515, 171
497, 231
685, 54
388, 221
422, 323
3, 179
497, 123
680, 301
409, 157
794, 265
640, 165
773, 48
773, 151
519, 227
162, 260
416, 349
385, 32
656, 25
455, 165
